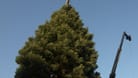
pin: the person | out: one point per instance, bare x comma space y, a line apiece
67, 2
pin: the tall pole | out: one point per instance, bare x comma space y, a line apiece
128, 37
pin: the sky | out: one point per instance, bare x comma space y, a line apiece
105, 19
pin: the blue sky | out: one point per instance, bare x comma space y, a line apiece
106, 19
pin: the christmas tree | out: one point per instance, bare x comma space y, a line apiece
61, 48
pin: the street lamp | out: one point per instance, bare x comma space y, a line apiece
128, 37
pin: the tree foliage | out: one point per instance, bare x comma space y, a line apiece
61, 48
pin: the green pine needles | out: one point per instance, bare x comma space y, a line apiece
61, 48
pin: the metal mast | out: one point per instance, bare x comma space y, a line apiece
128, 37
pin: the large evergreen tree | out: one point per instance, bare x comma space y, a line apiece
61, 48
